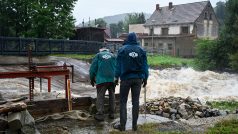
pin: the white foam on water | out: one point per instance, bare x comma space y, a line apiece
207, 85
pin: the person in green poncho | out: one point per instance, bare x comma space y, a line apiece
102, 73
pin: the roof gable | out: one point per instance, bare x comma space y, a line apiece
184, 13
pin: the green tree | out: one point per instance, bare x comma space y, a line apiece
14, 18
205, 54
134, 18
116, 29
229, 36
220, 11
100, 23
40, 19
113, 30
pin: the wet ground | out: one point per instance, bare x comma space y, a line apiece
91, 126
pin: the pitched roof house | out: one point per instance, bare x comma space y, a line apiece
173, 28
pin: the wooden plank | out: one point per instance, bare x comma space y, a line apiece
12, 107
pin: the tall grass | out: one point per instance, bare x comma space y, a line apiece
224, 127
168, 61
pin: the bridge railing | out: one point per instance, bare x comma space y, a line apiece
18, 46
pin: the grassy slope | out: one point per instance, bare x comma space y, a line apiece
168, 61
153, 60
224, 127
76, 56
224, 105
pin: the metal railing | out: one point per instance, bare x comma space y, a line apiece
18, 46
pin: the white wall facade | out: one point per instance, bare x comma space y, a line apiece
173, 29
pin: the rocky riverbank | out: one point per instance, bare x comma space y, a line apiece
183, 108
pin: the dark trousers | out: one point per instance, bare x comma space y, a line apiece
101, 96
125, 86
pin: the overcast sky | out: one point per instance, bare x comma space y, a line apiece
100, 8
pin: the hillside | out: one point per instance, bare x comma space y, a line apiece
116, 18
120, 17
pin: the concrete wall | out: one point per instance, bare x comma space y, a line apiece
185, 46
137, 28
161, 45
180, 46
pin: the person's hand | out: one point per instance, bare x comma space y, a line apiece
92, 82
144, 82
116, 81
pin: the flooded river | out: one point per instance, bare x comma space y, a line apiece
206, 85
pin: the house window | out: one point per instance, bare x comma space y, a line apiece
151, 31
205, 15
210, 17
146, 44
170, 46
185, 30
165, 31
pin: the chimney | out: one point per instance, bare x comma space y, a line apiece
157, 7
170, 5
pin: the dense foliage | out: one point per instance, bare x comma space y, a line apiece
134, 18
210, 55
230, 34
37, 18
123, 26
220, 12
100, 23
222, 53
116, 29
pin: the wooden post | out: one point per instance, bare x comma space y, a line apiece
69, 96
66, 86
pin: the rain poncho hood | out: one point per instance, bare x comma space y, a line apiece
132, 39
131, 60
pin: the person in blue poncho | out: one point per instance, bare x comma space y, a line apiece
132, 69
102, 72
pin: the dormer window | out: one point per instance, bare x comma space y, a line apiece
205, 16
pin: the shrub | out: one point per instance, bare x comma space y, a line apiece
205, 53
234, 61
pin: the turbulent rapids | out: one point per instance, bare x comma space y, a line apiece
207, 85
185, 82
